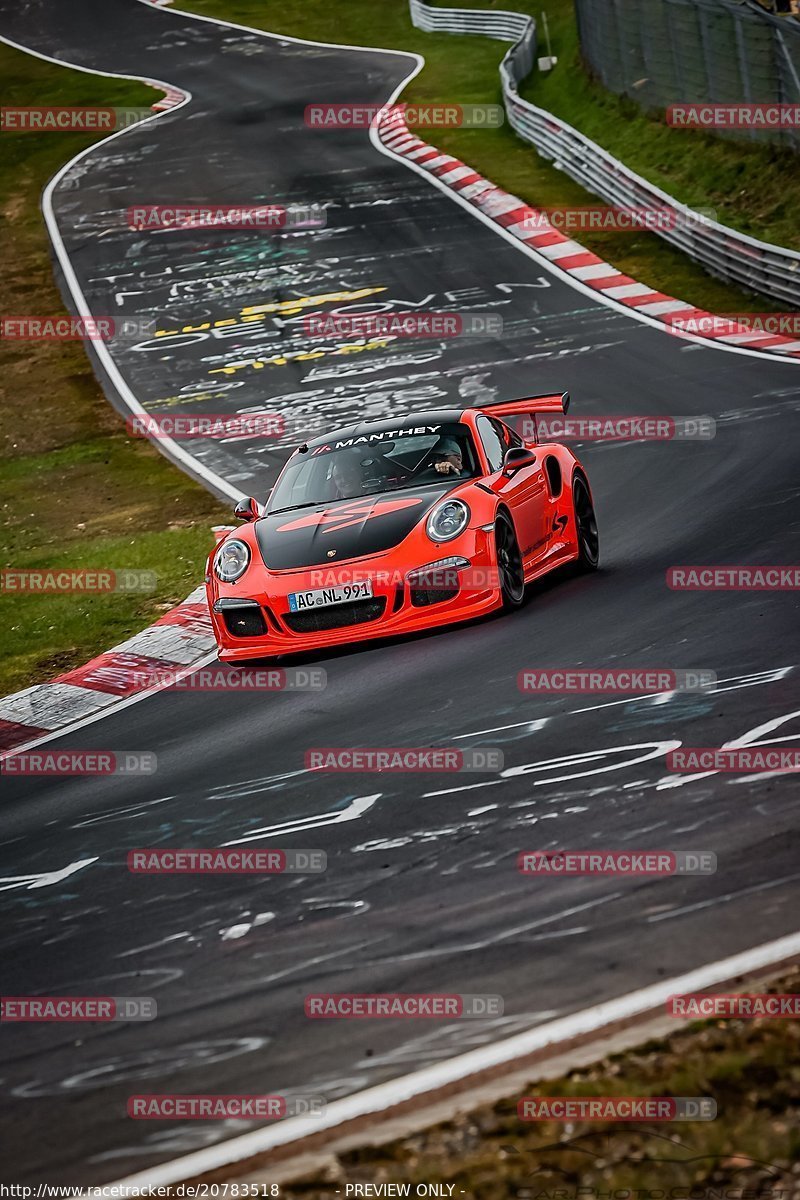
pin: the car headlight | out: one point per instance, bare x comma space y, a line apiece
231, 560
447, 520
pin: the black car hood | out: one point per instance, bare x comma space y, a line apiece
352, 528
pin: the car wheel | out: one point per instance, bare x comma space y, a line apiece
585, 525
509, 563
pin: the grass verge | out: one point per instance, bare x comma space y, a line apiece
75, 491
465, 69
751, 1151
754, 188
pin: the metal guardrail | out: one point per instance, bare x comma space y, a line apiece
756, 266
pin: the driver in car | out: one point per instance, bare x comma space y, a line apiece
446, 461
347, 477
448, 458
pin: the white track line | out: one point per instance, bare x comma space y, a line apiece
298, 41
386, 1096
599, 297
168, 446
383, 1097
111, 710
176, 452
593, 294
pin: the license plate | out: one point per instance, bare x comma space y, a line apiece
325, 597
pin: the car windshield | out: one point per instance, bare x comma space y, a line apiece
370, 463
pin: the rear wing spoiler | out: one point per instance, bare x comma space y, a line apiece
520, 415
557, 402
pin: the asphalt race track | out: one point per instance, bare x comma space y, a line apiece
421, 892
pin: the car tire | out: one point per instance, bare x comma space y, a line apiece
509, 563
585, 525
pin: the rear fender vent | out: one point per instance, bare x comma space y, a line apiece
552, 469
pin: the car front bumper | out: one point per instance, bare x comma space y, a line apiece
257, 622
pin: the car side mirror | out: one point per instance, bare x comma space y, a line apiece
247, 509
516, 458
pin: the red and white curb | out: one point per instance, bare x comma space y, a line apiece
179, 640
531, 227
173, 96
171, 99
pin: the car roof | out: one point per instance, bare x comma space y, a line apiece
440, 416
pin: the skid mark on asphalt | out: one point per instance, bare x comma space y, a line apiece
148, 1064
502, 935
549, 773
164, 941
181, 1139
725, 898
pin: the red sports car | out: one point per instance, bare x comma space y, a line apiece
392, 526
